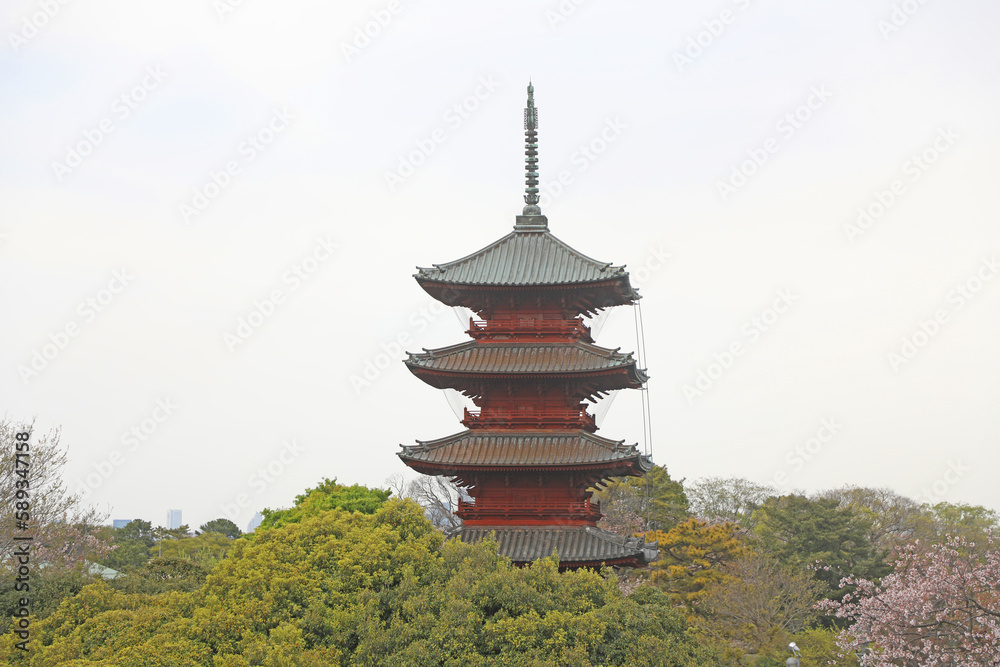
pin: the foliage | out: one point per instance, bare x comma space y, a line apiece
972, 522
758, 601
692, 554
940, 606
206, 549
656, 498
221, 526
732, 499
64, 531
341, 588
821, 535
326, 496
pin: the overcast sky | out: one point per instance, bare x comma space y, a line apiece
211, 211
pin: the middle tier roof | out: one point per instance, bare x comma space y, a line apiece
454, 367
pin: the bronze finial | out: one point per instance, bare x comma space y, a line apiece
531, 151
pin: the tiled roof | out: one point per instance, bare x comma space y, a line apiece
478, 448
581, 544
523, 259
514, 358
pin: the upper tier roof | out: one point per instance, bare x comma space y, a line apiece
528, 259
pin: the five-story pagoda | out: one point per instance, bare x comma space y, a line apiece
530, 453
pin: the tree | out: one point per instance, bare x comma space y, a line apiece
221, 526
758, 600
326, 496
130, 546
936, 522
692, 554
657, 498
821, 535
206, 549
64, 531
892, 518
941, 606
439, 497
732, 499
381, 589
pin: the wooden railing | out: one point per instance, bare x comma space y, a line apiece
468, 509
574, 328
537, 418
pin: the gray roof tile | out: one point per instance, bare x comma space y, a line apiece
525, 258
523, 449
583, 544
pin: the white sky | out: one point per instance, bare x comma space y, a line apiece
341, 120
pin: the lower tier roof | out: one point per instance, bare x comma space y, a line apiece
575, 545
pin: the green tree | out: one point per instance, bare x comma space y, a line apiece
821, 535
380, 589
692, 556
326, 496
656, 499
221, 526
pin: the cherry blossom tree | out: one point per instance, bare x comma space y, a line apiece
941, 606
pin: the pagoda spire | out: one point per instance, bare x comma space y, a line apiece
531, 218
531, 150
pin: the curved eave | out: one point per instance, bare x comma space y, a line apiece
635, 466
460, 380
617, 291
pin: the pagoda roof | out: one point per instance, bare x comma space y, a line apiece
481, 449
524, 259
575, 545
525, 358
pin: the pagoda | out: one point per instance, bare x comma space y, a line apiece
530, 456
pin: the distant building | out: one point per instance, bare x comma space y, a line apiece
174, 519
120, 523
254, 522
